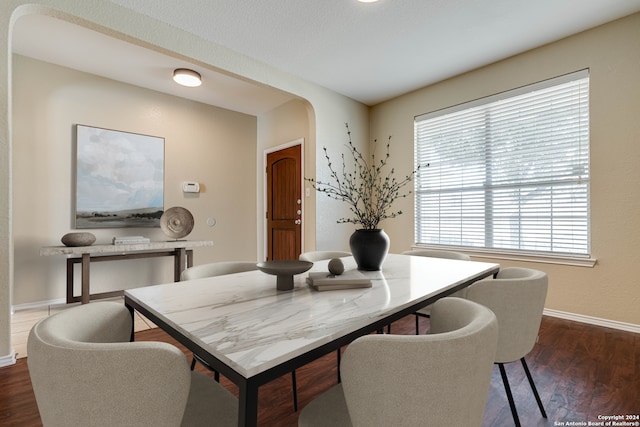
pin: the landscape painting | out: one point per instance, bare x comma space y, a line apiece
119, 179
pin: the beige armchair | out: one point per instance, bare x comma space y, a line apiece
400, 380
86, 372
213, 269
217, 269
517, 297
436, 253
314, 256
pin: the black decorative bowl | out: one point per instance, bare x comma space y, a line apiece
284, 270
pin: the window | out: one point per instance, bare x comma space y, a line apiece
508, 172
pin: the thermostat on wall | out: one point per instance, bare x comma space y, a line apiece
190, 187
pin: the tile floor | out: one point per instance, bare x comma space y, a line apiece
23, 320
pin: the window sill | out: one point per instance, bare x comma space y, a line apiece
575, 261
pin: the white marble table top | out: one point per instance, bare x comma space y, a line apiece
243, 321
109, 249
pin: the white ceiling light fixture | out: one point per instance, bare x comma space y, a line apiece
368, 1
187, 77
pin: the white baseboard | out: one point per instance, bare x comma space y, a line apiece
38, 304
629, 327
8, 360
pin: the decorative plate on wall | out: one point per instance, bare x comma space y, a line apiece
176, 222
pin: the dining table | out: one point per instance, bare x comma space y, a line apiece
252, 333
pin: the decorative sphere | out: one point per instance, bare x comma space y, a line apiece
336, 267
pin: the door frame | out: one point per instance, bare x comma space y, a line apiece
300, 142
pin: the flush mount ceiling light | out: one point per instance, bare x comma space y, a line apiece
186, 77
367, 1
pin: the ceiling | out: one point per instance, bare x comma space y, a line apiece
58, 42
369, 52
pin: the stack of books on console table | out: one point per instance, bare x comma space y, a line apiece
350, 279
130, 240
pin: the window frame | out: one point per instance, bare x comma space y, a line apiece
571, 258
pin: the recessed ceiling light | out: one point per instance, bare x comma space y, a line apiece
186, 77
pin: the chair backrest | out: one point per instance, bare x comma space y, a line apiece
517, 297
85, 372
217, 269
436, 379
435, 253
321, 255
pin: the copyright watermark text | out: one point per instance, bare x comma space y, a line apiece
627, 420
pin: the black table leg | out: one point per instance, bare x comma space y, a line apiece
248, 405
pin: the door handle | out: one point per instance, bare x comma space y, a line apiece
298, 221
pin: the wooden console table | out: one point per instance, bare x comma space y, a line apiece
85, 255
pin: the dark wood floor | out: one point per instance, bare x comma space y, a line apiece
581, 372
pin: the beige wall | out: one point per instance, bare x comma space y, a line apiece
330, 110
209, 145
610, 290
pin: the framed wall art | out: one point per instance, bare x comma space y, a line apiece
119, 179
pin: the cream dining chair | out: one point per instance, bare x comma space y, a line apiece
213, 269
406, 380
217, 269
86, 372
436, 253
222, 268
314, 256
517, 297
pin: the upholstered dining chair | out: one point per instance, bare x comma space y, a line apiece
222, 268
314, 256
217, 269
86, 372
212, 269
517, 297
436, 253
407, 380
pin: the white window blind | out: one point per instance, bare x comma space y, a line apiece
508, 172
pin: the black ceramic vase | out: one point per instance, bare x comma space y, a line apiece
369, 248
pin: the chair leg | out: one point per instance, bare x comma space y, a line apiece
418, 316
512, 404
216, 374
533, 387
339, 378
294, 387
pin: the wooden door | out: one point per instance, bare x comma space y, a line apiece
284, 204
